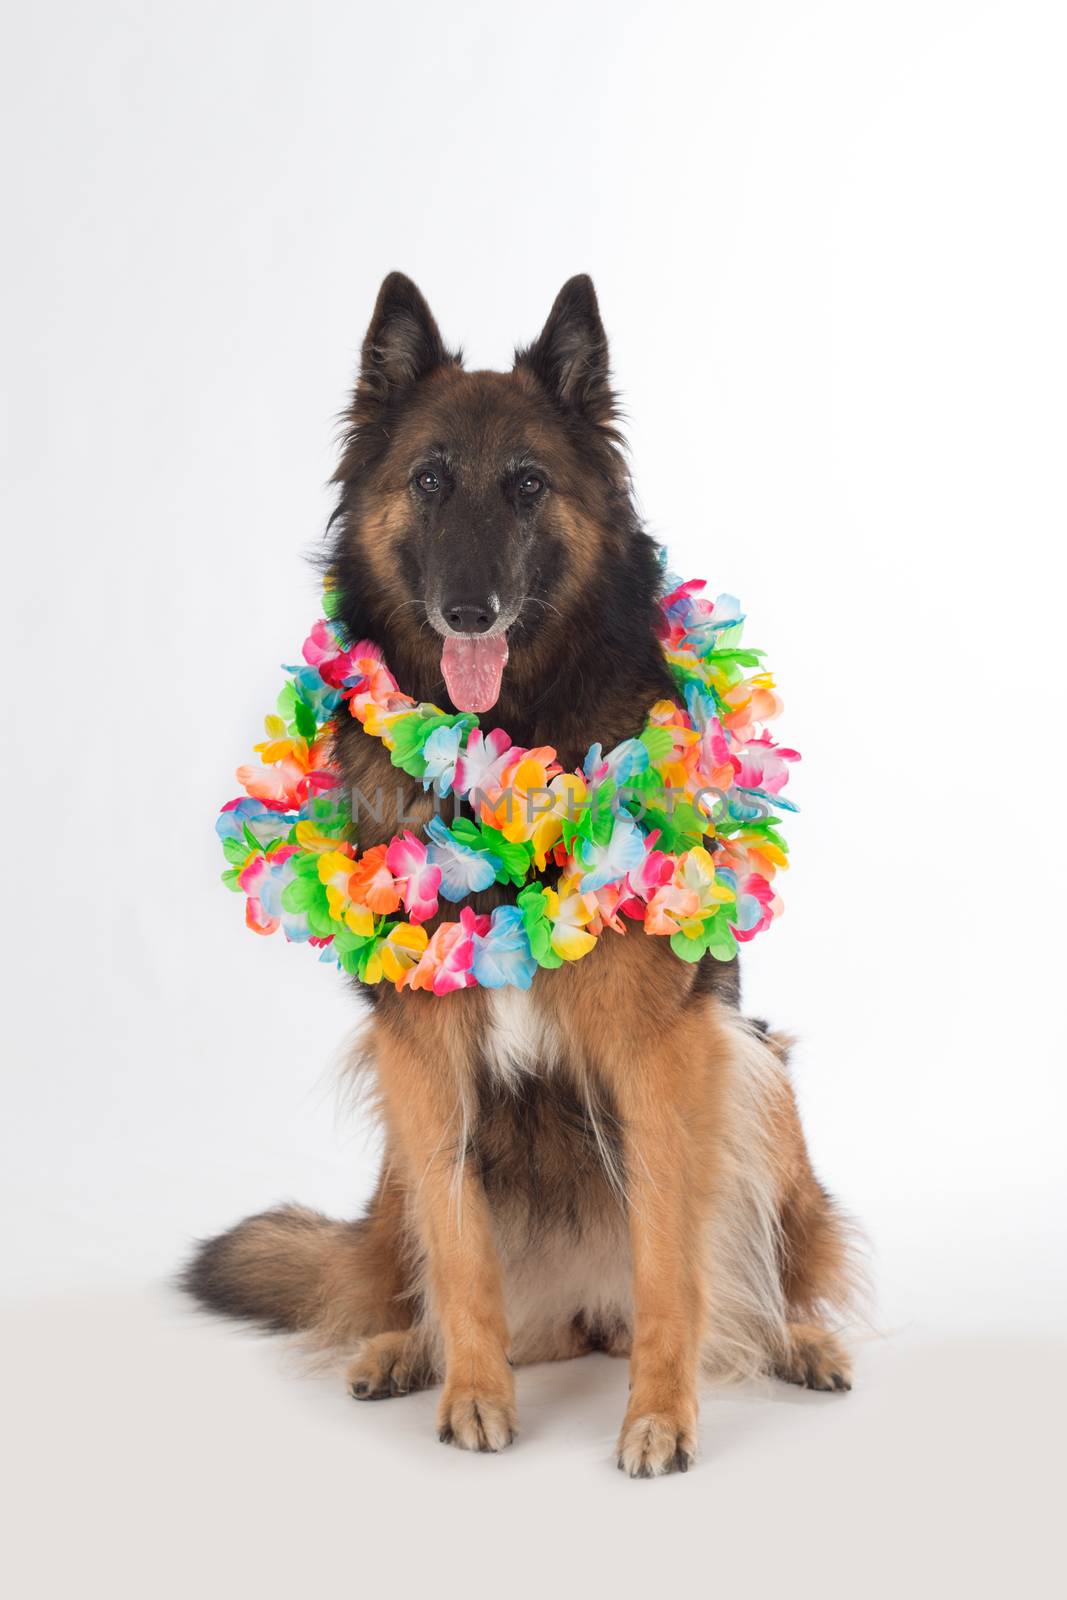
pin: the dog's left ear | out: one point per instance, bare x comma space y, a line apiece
570, 355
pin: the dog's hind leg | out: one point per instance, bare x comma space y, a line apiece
814, 1358
818, 1256
391, 1364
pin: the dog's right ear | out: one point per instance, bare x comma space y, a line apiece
403, 344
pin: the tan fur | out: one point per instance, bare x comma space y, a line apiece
709, 1246
426, 1100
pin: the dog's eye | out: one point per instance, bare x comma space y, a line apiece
530, 486
428, 482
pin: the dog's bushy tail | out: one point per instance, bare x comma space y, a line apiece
293, 1270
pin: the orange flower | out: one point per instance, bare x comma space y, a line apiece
373, 885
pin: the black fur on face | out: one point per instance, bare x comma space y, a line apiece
484, 502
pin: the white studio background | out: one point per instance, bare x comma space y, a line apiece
829, 241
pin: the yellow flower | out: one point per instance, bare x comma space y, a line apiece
397, 954
517, 810
335, 871
568, 790
568, 913
309, 837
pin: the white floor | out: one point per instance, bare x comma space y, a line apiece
157, 1452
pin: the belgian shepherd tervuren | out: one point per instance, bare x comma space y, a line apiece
611, 1160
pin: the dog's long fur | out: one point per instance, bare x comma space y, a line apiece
612, 1160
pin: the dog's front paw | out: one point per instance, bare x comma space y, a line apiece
655, 1443
477, 1419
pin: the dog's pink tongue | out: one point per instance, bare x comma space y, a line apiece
473, 667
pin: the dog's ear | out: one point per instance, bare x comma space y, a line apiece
403, 344
570, 355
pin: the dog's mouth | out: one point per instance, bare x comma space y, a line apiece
472, 665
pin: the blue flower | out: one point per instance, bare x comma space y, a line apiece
463, 871
593, 761
748, 805
700, 703
264, 823
607, 863
626, 761
440, 752
702, 632
502, 956
322, 699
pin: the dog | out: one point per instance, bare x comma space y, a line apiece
611, 1160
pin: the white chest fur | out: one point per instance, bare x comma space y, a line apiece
521, 1037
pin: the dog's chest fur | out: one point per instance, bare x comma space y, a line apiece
520, 1037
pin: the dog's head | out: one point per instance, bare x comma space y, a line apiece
478, 510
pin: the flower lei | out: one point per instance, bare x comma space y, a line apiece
629, 833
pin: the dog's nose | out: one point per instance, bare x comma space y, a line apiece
471, 616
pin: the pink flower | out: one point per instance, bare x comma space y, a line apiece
672, 906
417, 880
481, 765
320, 644
446, 962
642, 882
610, 900
334, 665
757, 907
692, 897
681, 609
368, 685
262, 879
762, 765
716, 767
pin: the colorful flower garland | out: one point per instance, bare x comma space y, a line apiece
629, 833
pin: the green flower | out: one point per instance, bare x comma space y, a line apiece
514, 856
716, 939
353, 952
681, 826
594, 821
532, 903
409, 735
306, 893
